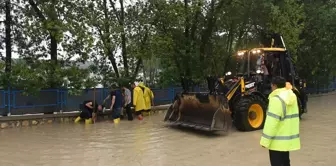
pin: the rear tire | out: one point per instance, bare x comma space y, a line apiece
250, 113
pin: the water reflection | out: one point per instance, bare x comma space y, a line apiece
72, 144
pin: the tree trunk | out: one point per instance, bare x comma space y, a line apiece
52, 31
144, 77
8, 38
53, 48
123, 38
107, 41
137, 68
113, 61
187, 41
206, 33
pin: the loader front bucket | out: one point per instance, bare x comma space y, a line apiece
201, 111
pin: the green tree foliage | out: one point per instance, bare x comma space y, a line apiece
199, 37
317, 55
121, 34
160, 41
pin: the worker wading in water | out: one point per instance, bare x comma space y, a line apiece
116, 104
138, 100
87, 109
148, 96
281, 130
127, 102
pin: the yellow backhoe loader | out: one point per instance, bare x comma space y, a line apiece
241, 96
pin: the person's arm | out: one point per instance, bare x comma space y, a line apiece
126, 99
104, 101
89, 104
135, 97
152, 97
274, 113
112, 102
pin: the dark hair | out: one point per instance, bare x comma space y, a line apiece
280, 82
114, 87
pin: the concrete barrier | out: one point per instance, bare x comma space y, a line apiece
65, 117
322, 94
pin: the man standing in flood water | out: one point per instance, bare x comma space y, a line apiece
281, 130
127, 102
116, 103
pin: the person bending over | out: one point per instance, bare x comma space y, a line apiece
87, 108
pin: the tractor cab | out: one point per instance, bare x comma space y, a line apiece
262, 64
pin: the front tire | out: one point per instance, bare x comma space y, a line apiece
250, 113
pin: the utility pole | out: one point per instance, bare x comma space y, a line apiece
8, 37
144, 73
8, 43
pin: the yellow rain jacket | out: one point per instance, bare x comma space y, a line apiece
281, 130
148, 96
138, 99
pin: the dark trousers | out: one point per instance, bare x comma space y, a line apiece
278, 158
86, 113
138, 112
116, 112
129, 112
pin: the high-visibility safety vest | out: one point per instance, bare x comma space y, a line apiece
281, 129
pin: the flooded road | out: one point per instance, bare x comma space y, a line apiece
151, 143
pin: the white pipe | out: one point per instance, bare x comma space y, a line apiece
283, 42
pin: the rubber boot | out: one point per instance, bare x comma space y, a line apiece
140, 117
77, 120
116, 121
88, 121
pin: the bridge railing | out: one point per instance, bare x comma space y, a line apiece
2, 99
53, 100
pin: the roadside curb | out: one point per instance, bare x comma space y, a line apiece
16, 121
320, 95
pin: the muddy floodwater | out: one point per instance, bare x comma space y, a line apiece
151, 143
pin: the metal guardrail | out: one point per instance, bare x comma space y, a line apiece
17, 93
60, 99
3, 99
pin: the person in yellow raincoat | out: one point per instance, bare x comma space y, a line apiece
138, 100
148, 96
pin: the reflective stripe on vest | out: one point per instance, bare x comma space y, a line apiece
284, 110
281, 137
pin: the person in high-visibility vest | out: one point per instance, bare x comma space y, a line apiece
281, 130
